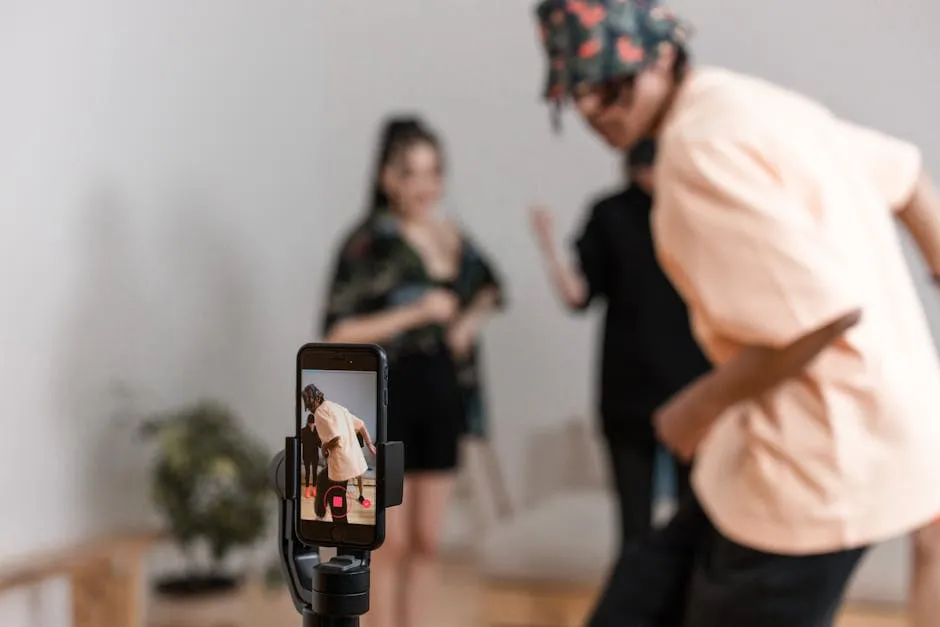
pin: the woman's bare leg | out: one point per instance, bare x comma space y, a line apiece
432, 495
925, 587
388, 566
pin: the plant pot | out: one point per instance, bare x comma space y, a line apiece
198, 601
197, 586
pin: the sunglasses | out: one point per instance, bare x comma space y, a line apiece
609, 93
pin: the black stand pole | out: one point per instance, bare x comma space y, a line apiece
333, 593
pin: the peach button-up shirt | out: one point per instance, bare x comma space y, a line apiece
346, 461
774, 218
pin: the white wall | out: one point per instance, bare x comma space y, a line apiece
473, 67
159, 198
169, 171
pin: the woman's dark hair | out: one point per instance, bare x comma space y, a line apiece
398, 134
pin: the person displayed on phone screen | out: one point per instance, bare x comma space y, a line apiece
309, 447
341, 437
414, 282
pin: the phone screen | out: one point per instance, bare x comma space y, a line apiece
340, 423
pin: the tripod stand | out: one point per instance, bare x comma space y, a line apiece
333, 593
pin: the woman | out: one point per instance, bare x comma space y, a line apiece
413, 282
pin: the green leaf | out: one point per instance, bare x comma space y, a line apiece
209, 480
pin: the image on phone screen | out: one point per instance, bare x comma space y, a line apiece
337, 446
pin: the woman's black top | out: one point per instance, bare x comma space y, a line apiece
648, 350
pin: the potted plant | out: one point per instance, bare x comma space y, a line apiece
209, 481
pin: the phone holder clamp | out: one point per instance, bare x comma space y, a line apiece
334, 593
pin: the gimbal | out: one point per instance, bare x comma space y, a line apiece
333, 593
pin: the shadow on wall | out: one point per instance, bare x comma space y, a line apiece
215, 326
213, 287
101, 351
145, 338
563, 457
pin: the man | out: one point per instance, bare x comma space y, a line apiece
342, 436
815, 435
648, 352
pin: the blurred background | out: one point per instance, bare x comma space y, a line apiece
174, 176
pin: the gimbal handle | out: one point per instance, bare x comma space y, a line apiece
333, 593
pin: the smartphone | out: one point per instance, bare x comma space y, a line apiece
342, 395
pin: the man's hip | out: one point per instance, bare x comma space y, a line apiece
687, 574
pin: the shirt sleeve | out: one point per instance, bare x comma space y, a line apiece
358, 427
481, 271
589, 249
357, 423
752, 261
351, 292
325, 423
891, 164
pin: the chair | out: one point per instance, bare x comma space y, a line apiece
542, 564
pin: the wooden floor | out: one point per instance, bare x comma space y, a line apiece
459, 604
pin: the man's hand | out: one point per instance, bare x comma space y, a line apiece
329, 446
365, 438
684, 421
